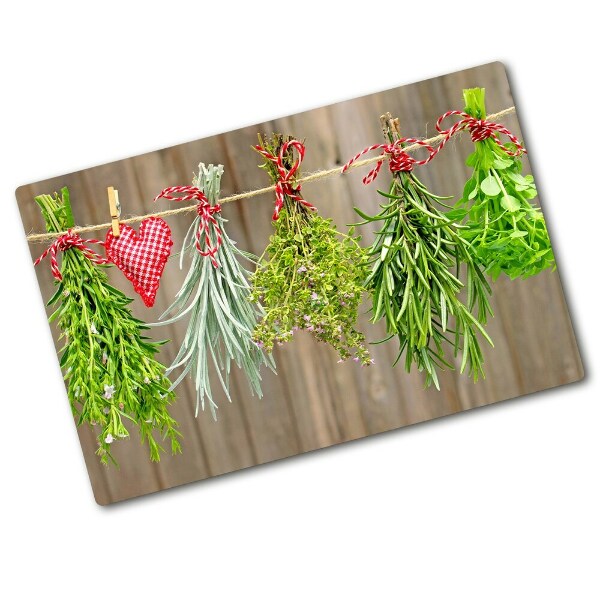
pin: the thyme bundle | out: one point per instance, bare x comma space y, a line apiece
310, 276
221, 318
110, 367
412, 283
507, 232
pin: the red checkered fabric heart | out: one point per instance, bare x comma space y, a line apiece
141, 257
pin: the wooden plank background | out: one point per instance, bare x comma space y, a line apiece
313, 402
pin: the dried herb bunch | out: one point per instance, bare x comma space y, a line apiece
310, 276
215, 299
506, 231
412, 283
110, 367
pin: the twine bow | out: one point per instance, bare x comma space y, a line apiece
65, 242
285, 185
480, 130
206, 213
399, 159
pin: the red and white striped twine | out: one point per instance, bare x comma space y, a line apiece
206, 211
65, 242
399, 159
285, 185
480, 130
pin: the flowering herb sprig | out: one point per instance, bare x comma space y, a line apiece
506, 231
214, 297
310, 276
413, 285
110, 367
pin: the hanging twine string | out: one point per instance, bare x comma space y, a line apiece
285, 186
206, 213
318, 175
397, 156
65, 242
480, 129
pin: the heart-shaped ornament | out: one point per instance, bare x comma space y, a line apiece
141, 257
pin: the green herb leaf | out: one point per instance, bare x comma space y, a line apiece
490, 187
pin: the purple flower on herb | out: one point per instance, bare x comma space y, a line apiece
302, 269
314, 296
356, 359
109, 391
109, 439
93, 328
307, 318
146, 380
106, 410
310, 328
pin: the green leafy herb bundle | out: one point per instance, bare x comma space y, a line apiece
505, 230
310, 276
110, 367
412, 283
221, 317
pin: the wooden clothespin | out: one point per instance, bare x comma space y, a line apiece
115, 210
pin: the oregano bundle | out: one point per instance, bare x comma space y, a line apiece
214, 297
109, 365
310, 276
506, 231
415, 280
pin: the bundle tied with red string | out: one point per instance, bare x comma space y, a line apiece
413, 260
310, 277
505, 229
110, 367
214, 298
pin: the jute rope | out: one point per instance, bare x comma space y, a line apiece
433, 141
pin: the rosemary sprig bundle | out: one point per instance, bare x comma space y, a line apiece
412, 283
110, 367
310, 276
507, 233
215, 299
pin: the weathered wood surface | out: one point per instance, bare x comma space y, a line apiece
313, 402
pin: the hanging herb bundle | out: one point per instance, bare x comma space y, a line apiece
214, 296
310, 276
110, 367
412, 283
507, 233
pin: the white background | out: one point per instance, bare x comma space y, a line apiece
497, 503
